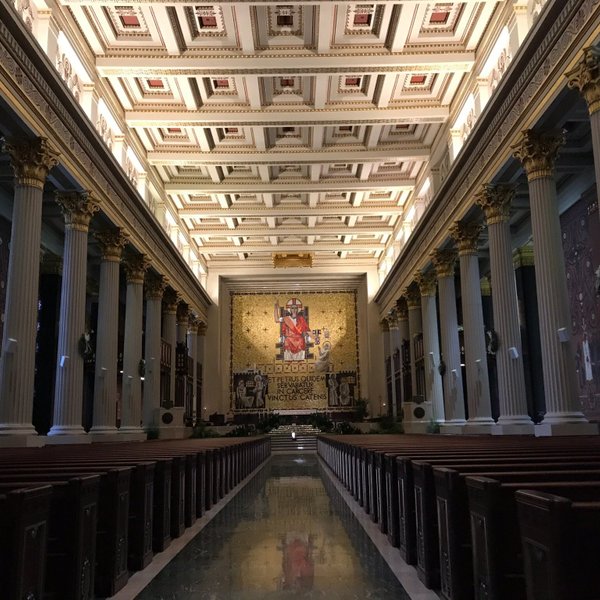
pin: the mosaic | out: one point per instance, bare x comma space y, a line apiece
293, 351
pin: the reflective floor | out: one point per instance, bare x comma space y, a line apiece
287, 534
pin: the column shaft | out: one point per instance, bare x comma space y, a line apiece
509, 357
478, 385
453, 387
152, 357
105, 383
415, 327
17, 363
558, 361
170, 336
431, 350
132, 355
68, 395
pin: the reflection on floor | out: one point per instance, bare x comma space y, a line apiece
287, 534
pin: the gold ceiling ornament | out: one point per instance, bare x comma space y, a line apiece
284, 260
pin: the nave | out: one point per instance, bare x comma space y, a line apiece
288, 533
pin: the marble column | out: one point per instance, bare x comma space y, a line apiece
444, 262
105, 381
183, 313
394, 335
200, 409
78, 209
476, 368
415, 327
403, 338
513, 419
192, 344
431, 345
169, 334
131, 395
31, 162
155, 287
385, 334
586, 78
537, 153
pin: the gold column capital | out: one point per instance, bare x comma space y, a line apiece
183, 313
444, 262
171, 298
392, 319
77, 208
31, 160
466, 236
495, 201
427, 283
413, 296
155, 286
112, 243
537, 152
402, 308
135, 268
585, 77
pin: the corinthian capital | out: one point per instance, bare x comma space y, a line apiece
155, 286
402, 308
444, 262
413, 296
392, 319
183, 311
495, 202
466, 236
135, 268
112, 243
585, 77
77, 208
537, 153
31, 160
171, 298
427, 283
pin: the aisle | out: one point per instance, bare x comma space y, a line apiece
285, 535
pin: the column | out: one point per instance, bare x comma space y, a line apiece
392, 320
131, 395
563, 415
155, 287
105, 380
31, 162
171, 298
415, 328
444, 261
77, 209
183, 312
431, 346
200, 409
403, 340
476, 369
586, 78
513, 419
385, 334
192, 344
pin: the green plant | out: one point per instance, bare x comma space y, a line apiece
240, 431
152, 433
269, 422
344, 428
202, 431
389, 424
360, 409
433, 427
321, 421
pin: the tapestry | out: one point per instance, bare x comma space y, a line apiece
294, 351
581, 232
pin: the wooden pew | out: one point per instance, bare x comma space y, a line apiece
23, 534
561, 546
497, 554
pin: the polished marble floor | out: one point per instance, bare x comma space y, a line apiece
287, 534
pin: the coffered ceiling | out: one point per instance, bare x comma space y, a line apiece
285, 128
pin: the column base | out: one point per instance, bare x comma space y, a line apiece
513, 429
65, 438
479, 427
452, 427
22, 441
132, 435
105, 436
57, 430
415, 427
547, 429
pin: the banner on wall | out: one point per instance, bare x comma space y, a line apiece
292, 351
